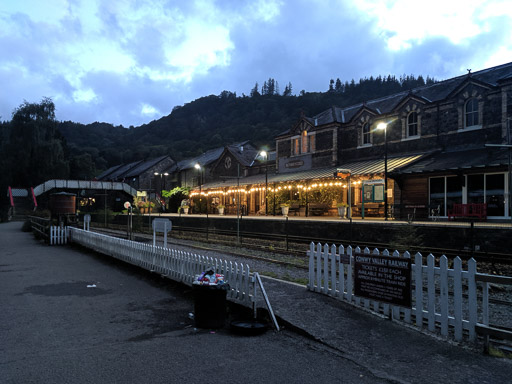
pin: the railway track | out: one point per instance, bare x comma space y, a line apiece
270, 251
297, 246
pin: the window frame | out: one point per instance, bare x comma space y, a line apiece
414, 124
367, 135
303, 143
473, 101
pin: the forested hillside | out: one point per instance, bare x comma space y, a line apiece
217, 120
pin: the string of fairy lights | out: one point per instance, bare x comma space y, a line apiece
303, 187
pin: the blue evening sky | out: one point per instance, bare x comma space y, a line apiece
131, 61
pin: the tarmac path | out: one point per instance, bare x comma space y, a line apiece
131, 327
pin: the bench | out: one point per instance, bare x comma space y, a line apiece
294, 208
478, 210
317, 209
372, 209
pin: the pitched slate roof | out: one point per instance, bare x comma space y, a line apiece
104, 174
207, 157
144, 166
430, 93
120, 172
245, 154
458, 160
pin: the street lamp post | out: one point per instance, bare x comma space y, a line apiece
161, 178
384, 126
198, 167
265, 155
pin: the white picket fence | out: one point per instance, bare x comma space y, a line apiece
174, 264
58, 235
443, 299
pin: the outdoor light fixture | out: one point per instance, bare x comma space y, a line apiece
161, 176
384, 126
264, 154
198, 167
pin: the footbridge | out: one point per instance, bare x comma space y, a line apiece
83, 184
25, 199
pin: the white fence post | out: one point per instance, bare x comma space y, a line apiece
418, 283
472, 303
177, 265
442, 310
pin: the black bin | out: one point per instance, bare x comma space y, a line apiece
210, 305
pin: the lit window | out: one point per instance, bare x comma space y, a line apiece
471, 113
412, 124
312, 143
366, 134
295, 146
305, 143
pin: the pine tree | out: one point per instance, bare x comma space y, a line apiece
331, 85
254, 91
338, 87
288, 89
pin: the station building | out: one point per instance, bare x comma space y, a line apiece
442, 144
433, 147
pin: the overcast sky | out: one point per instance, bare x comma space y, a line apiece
131, 61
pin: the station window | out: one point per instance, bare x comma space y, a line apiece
366, 134
471, 115
412, 124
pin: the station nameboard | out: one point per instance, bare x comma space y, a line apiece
383, 278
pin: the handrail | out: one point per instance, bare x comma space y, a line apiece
265, 297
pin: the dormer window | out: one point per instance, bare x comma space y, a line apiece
412, 124
303, 144
366, 134
471, 115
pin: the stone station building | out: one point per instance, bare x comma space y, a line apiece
435, 140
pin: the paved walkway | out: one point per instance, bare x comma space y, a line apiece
64, 333
72, 316
389, 350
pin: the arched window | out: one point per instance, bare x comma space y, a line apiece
412, 124
365, 133
471, 113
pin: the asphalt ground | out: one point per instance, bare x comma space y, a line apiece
130, 326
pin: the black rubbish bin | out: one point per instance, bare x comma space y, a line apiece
210, 305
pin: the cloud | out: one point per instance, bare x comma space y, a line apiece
128, 61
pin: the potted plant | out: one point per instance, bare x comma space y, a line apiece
185, 209
342, 209
149, 205
285, 207
220, 207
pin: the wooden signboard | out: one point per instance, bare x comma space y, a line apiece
383, 278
